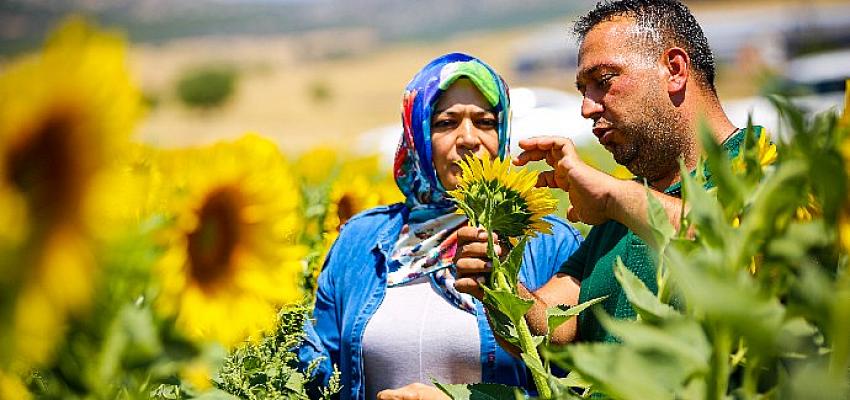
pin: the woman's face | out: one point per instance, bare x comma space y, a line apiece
463, 123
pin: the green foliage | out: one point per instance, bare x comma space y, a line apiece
478, 391
268, 369
321, 92
207, 87
762, 305
558, 315
120, 349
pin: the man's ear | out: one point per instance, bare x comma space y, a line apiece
678, 65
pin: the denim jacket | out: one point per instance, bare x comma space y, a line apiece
353, 284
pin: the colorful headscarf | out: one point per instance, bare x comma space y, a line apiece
427, 244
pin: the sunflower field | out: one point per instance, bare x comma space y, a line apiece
130, 271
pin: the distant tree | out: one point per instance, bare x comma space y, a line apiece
320, 92
207, 86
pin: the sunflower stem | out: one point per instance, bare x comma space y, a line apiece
526, 341
527, 345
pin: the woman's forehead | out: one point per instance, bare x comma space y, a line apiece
463, 92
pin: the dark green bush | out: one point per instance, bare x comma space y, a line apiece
207, 86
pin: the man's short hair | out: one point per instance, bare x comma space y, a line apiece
663, 23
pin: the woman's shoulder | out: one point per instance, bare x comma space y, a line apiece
561, 229
373, 218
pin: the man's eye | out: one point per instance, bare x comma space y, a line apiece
605, 79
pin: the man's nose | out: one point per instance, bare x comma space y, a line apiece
590, 108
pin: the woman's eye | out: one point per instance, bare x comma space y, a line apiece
487, 123
442, 123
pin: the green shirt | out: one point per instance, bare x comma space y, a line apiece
593, 262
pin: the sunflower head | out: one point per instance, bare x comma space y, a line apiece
232, 256
764, 155
504, 199
64, 112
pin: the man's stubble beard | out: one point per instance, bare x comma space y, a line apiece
655, 142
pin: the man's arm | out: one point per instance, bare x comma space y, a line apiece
629, 206
562, 289
595, 197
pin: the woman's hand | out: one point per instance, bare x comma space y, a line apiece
473, 265
413, 391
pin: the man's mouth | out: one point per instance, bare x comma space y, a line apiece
604, 135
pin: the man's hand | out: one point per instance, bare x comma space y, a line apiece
413, 391
473, 265
589, 189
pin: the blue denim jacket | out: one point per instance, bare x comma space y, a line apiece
353, 283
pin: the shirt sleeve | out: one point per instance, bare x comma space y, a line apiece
574, 265
546, 253
322, 332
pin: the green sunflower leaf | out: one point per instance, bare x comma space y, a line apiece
513, 306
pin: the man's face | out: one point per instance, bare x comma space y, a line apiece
625, 95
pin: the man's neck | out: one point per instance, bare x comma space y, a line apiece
710, 115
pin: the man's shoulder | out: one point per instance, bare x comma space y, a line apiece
607, 231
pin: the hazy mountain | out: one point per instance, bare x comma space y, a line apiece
24, 22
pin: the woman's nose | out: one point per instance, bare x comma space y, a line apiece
468, 135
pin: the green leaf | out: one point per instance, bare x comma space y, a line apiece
729, 298
618, 371
216, 394
705, 212
478, 391
513, 306
645, 303
683, 340
503, 326
513, 262
659, 223
557, 315
574, 380
730, 187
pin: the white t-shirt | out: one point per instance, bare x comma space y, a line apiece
416, 335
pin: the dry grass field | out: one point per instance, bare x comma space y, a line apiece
281, 76
277, 90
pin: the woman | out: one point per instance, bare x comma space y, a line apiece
387, 313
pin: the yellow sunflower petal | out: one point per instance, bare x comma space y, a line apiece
232, 258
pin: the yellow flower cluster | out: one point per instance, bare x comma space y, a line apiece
63, 113
227, 220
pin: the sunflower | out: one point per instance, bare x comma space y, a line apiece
316, 166
11, 387
844, 216
128, 192
231, 257
765, 154
63, 111
358, 187
495, 195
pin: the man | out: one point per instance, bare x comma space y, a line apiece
647, 77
